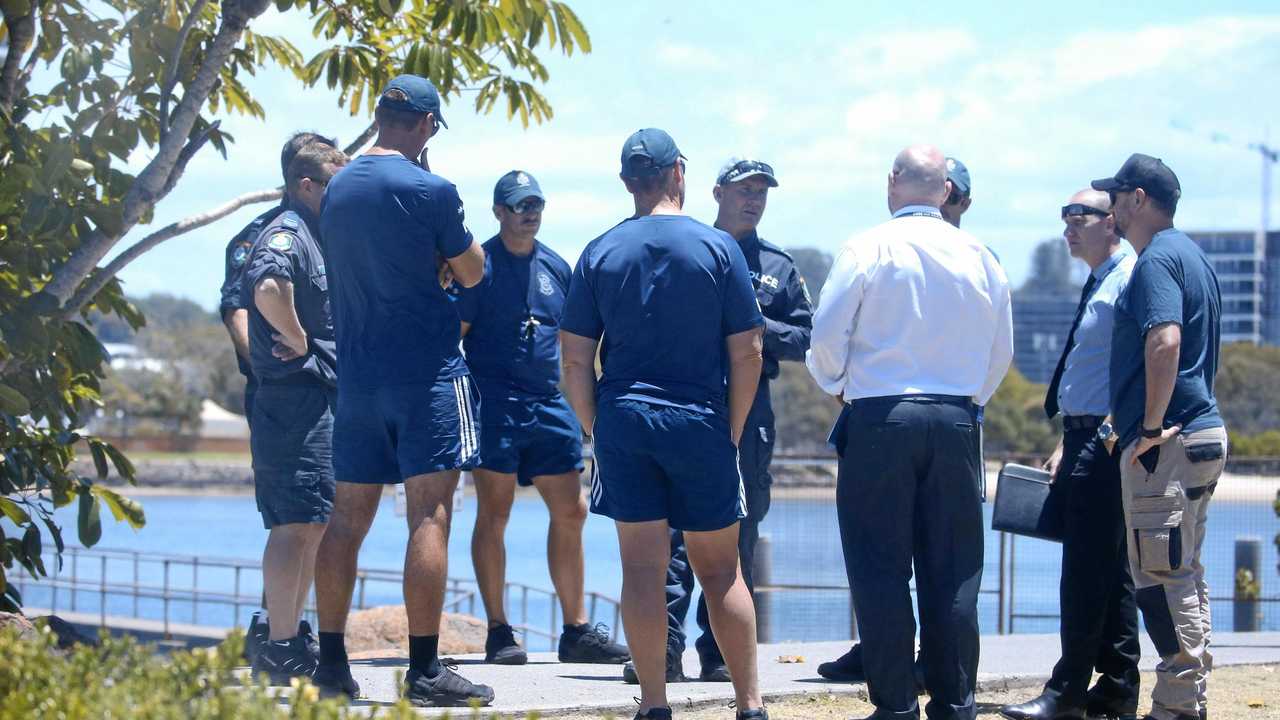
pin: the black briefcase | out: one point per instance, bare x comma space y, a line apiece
1027, 504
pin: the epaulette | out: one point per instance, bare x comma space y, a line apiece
289, 221
766, 245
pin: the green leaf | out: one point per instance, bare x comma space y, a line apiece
13, 402
124, 467
56, 533
99, 452
89, 522
122, 508
14, 512
32, 546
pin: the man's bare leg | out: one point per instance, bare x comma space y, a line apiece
645, 549
354, 506
282, 560
495, 493
567, 505
714, 556
307, 573
426, 559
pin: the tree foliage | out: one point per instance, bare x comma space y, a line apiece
123, 76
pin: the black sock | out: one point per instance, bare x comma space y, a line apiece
424, 654
577, 629
333, 648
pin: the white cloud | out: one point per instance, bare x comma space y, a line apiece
881, 57
688, 57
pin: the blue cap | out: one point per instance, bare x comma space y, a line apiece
648, 152
958, 174
514, 187
412, 93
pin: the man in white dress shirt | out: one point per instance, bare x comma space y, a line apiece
914, 331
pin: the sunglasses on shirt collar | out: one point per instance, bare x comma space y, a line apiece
1079, 209
529, 204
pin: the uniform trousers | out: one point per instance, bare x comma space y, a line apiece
909, 490
1099, 626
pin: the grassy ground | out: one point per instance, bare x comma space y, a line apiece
1242, 692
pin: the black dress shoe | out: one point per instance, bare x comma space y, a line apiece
1101, 707
1044, 707
846, 668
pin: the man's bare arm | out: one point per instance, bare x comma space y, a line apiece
274, 299
468, 266
746, 356
1162, 348
237, 324
578, 371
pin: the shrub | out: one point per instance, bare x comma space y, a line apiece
122, 678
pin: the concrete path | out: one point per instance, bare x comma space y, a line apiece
552, 688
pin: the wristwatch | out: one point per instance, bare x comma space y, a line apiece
1105, 430
1152, 433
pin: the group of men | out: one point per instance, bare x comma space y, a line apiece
383, 345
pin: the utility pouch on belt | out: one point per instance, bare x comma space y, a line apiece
1156, 522
1204, 452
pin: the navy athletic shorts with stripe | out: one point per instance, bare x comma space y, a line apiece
655, 462
388, 434
530, 437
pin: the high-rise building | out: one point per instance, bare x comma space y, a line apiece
1040, 326
1249, 277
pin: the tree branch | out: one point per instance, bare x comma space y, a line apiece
362, 139
148, 187
187, 153
94, 285
22, 30
175, 60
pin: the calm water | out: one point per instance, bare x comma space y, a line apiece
803, 537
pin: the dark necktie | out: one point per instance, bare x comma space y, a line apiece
1051, 398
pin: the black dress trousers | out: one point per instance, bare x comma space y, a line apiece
1099, 611
909, 489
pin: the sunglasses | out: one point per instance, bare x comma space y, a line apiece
528, 205
742, 167
1078, 209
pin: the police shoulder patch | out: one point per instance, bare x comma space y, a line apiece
240, 254
280, 241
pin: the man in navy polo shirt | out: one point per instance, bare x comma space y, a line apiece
1164, 358
292, 351
673, 301
958, 197
528, 434
742, 192
407, 408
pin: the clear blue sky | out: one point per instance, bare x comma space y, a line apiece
1036, 99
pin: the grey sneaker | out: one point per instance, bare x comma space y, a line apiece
501, 648
675, 668
587, 644
448, 689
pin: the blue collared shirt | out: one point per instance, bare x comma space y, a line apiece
1085, 386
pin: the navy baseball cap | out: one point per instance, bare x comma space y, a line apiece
648, 152
1146, 172
412, 93
958, 174
738, 169
514, 187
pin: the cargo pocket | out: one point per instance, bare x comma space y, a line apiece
1157, 534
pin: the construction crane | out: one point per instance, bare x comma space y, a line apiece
1270, 156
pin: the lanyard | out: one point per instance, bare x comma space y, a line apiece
529, 323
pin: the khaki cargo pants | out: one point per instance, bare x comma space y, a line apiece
1165, 514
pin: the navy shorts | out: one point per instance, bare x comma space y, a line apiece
292, 446
388, 434
655, 462
530, 437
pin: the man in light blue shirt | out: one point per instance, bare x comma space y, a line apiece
1099, 612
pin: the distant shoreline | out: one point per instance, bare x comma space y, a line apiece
222, 477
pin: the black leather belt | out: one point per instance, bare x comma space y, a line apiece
1082, 422
961, 400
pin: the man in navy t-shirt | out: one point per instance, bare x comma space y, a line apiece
407, 409
1164, 357
673, 301
528, 434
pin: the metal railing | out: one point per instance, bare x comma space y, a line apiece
118, 583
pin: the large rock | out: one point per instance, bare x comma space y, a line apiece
65, 632
382, 630
25, 629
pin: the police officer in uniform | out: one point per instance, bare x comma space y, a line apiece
528, 433
234, 309
742, 191
292, 353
